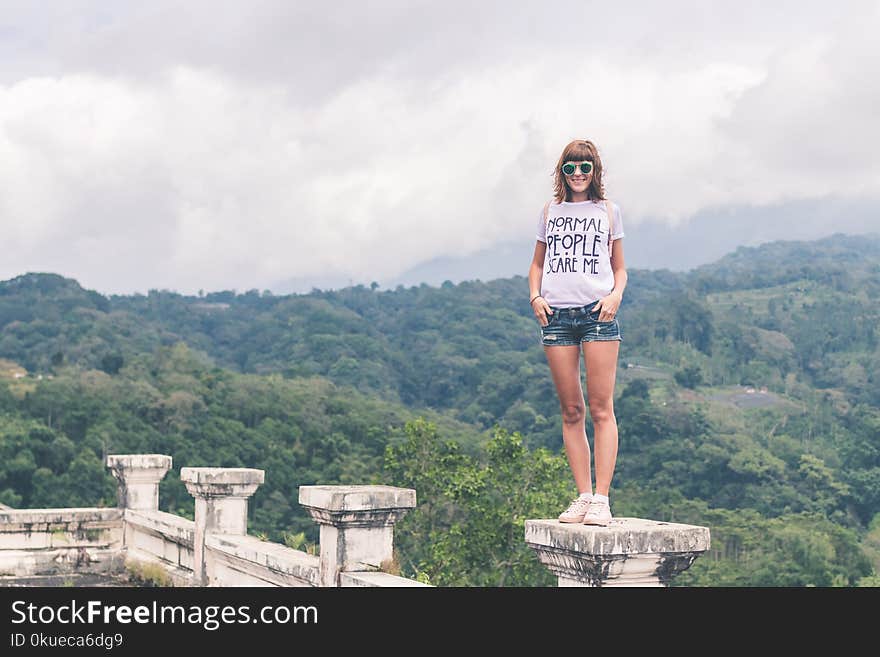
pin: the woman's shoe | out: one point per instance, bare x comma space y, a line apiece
598, 513
575, 511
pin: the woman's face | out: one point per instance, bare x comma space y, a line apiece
578, 181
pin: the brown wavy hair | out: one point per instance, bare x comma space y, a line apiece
578, 151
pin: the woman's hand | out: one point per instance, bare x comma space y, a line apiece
541, 309
607, 306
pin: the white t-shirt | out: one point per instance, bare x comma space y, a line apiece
577, 265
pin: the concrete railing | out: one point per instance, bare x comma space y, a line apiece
213, 550
248, 561
356, 537
160, 539
60, 541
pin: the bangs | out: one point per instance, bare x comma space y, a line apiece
578, 152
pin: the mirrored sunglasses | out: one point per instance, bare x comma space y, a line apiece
570, 167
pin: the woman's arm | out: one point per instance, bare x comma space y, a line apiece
608, 305
618, 267
536, 270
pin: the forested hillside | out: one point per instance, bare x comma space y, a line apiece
748, 400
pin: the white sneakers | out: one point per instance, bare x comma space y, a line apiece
575, 511
599, 513
587, 512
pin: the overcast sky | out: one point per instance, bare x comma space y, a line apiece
229, 145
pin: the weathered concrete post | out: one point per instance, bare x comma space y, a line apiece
221, 505
138, 477
629, 552
357, 525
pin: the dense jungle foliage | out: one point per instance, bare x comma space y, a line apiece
748, 400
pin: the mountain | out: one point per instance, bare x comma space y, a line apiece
649, 244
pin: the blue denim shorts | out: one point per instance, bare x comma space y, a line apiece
572, 326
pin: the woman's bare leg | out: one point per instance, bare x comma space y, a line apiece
565, 368
600, 361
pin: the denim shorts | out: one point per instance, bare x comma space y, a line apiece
572, 326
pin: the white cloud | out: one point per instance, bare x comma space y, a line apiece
177, 168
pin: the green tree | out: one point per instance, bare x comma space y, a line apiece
112, 363
689, 376
469, 526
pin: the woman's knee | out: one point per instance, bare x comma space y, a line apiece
601, 412
573, 413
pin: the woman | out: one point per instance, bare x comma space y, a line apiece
576, 283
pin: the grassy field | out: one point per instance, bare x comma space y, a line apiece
759, 300
19, 380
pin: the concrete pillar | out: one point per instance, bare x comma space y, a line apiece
629, 552
357, 525
138, 477
221, 505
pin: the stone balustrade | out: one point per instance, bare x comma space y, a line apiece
356, 537
214, 549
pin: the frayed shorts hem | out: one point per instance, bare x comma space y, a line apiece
571, 343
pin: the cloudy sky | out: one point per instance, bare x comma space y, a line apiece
237, 145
